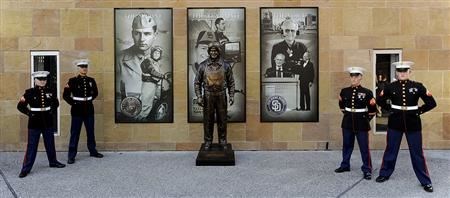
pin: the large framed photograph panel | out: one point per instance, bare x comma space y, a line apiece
143, 65
224, 27
289, 64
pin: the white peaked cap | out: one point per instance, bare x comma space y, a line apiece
81, 62
37, 74
403, 64
356, 70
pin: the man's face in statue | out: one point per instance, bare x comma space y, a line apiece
213, 53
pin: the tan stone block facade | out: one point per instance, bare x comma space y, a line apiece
439, 59
286, 132
74, 22
446, 91
348, 32
446, 126
433, 81
429, 42
371, 42
46, 22
414, 21
16, 22
439, 20
357, 25
386, 21
420, 57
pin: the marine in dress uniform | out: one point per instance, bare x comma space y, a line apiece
42, 104
79, 93
213, 78
404, 118
359, 106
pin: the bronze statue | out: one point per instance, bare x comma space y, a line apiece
214, 76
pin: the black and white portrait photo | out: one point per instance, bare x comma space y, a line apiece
224, 28
143, 65
289, 64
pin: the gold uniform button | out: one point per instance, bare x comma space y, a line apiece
404, 104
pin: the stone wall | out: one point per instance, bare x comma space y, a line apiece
348, 31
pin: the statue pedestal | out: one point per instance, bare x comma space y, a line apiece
215, 156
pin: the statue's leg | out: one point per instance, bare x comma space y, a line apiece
222, 118
208, 120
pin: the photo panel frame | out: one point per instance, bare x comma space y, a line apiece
224, 27
289, 64
143, 43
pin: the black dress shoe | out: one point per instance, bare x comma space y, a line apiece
341, 170
207, 145
23, 174
57, 165
71, 161
225, 146
428, 188
97, 155
368, 176
381, 179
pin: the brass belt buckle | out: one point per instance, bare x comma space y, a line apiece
404, 108
353, 110
42, 109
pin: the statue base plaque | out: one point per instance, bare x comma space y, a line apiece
215, 156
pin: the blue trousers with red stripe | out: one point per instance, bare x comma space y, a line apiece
414, 138
75, 130
32, 147
348, 137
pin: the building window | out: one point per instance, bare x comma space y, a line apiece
384, 73
48, 61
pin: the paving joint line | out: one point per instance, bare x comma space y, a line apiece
11, 189
352, 186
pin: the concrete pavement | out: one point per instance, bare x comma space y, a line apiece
256, 174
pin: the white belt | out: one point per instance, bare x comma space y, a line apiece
82, 99
355, 110
40, 109
405, 108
